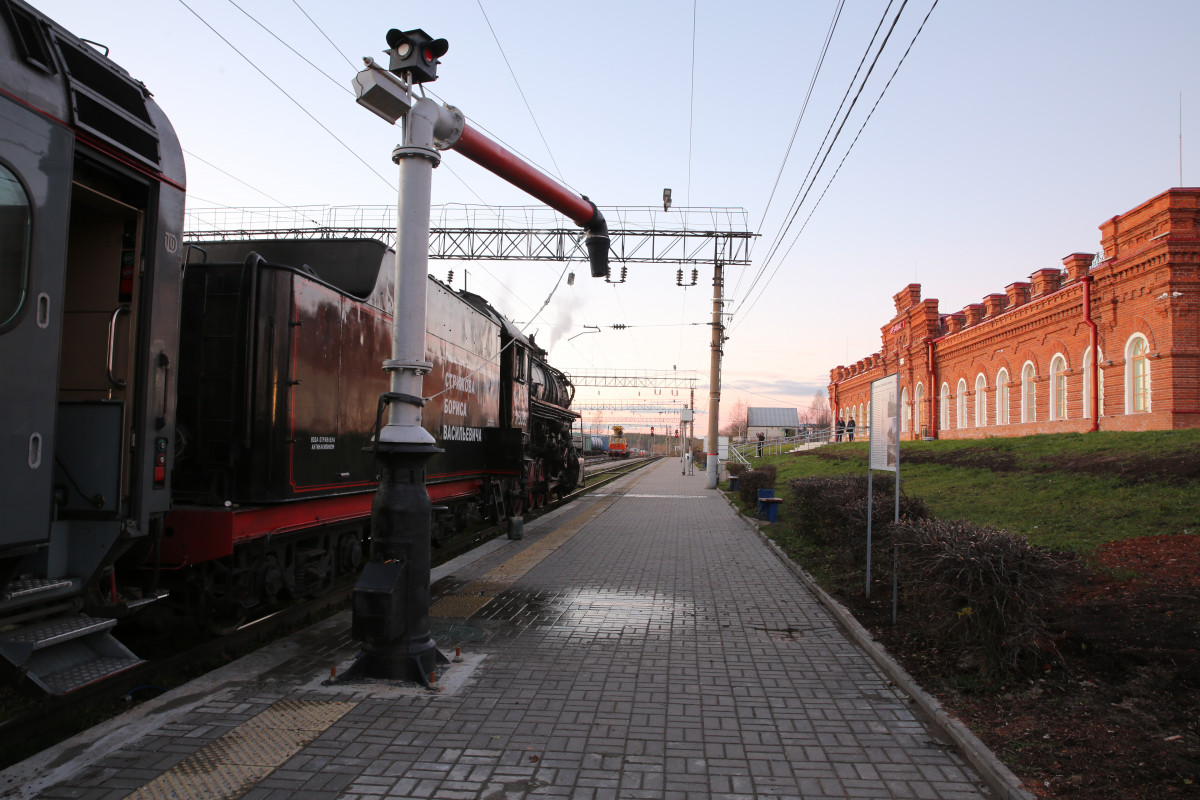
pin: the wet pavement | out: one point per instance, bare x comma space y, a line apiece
643, 643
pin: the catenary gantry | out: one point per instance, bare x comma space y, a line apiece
494, 233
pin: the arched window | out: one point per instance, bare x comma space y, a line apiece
904, 410
1087, 382
944, 408
919, 397
980, 400
14, 246
960, 404
862, 417
1137, 375
1058, 387
1002, 397
1028, 393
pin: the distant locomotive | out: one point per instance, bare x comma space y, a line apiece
204, 429
617, 446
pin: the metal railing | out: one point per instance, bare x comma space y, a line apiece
745, 452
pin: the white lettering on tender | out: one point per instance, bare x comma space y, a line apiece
456, 407
457, 433
322, 442
463, 383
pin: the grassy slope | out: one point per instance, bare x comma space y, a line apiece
1063, 491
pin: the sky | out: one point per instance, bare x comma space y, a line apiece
1007, 135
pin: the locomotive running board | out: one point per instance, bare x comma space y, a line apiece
67, 653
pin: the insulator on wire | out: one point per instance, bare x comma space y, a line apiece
679, 277
450, 277
695, 275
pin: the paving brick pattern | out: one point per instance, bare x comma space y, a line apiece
660, 652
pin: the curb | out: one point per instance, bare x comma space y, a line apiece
999, 778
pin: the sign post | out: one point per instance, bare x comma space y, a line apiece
884, 454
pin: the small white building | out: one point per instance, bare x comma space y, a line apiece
773, 423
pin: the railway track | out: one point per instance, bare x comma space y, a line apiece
28, 726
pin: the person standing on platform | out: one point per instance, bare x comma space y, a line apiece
841, 428
850, 429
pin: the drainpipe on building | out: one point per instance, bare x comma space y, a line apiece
933, 389
1093, 343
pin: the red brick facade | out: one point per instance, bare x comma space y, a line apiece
1020, 362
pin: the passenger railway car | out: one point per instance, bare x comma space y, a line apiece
91, 216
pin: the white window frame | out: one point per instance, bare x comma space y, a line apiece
944, 408
960, 404
1131, 365
1028, 392
980, 400
1058, 387
1002, 381
918, 397
905, 411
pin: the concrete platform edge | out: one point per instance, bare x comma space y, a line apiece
998, 777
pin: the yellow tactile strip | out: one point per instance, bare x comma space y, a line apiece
230, 766
469, 598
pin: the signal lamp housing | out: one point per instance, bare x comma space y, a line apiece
415, 52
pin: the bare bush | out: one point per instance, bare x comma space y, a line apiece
750, 482
832, 511
978, 593
735, 468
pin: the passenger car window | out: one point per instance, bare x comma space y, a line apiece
14, 245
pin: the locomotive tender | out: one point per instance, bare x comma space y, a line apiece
280, 377
199, 421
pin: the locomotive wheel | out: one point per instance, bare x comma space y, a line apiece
270, 580
350, 552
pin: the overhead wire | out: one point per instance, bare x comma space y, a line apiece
837, 13
844, 156
524, 99
691, 128
322, 32
296, 102
810, 175
810, 178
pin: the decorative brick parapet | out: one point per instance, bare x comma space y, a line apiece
1045, 281
1018, 294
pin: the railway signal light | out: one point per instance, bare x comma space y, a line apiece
415, 52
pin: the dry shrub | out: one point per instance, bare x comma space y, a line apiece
750, 482
735, 468
831, 511
978, 593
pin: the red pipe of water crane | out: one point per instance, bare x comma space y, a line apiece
499, 161
495, 159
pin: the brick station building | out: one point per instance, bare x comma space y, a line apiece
1124, 326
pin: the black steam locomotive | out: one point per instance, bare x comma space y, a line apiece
197, 422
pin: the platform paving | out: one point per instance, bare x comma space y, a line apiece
644, 643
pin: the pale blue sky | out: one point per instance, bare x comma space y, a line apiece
1011, 132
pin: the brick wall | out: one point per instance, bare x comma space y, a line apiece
1147, 286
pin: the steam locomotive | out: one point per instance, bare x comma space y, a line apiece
196, 418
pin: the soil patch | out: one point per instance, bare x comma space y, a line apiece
1115, 710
